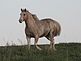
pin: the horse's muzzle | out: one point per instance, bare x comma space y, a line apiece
20, 21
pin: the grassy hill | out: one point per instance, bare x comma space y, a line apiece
65, 52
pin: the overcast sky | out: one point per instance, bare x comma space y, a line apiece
66, 12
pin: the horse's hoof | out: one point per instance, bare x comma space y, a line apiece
38, 48
54, 49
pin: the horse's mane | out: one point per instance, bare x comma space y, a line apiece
35, 17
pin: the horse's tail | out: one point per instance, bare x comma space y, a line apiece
59, 31
57, 28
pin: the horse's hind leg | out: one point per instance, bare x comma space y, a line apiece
52, 43
36, 40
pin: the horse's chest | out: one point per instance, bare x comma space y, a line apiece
29, 33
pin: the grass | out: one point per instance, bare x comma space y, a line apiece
65, 52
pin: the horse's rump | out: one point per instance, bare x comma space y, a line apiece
54, 26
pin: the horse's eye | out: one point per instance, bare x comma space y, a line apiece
24, 14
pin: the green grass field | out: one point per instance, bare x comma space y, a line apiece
65, 52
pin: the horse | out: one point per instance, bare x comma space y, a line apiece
36, 28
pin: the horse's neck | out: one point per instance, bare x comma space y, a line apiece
30, 22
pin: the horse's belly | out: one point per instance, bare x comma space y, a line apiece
45, 33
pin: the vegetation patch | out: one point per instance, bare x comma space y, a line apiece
64, 52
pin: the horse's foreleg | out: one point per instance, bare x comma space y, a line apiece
28, 41
36, 40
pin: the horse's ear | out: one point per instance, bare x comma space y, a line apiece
21, 9
25, 10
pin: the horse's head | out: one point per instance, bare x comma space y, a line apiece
23, 15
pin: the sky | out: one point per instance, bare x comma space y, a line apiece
66, 12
